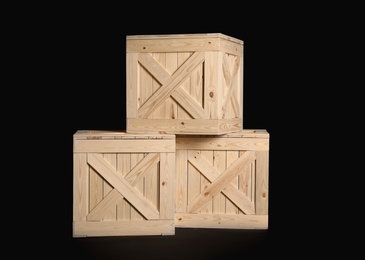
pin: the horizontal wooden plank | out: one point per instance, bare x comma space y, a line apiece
116, 135
127, 146
216, 143
123, 228
184, 43
183, 36
221, 221
184, 126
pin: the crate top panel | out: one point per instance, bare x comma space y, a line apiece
255, 140
117, 134
244, 133
184, 43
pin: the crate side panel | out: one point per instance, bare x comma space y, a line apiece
122, 187
262, 182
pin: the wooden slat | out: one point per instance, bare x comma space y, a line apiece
185, 85
120, 146
118, 135
110, 175
154, 68
222, 181
230, 89
109, 201
165, 90
231, 207
138, 188
132, 82
221, 221
212, 100
110, 213
184, 126
184, 43
80, 187
262, 182
205, 182
214, 143
136, 174
181, 190
212, 175
123, 228
167, 185
188, 103
241, 93
220, 164
123, 167
169, 105
96, 187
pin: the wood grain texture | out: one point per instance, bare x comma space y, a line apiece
225, 180
116, 186
180, 77
126, 228
221, 221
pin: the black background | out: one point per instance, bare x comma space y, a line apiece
73, 78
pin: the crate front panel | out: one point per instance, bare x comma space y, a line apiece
221, 182
200, 86
122, 193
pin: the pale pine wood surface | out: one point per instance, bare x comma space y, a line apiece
222, 177
116, 186
198, 78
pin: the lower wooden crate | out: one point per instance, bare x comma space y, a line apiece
123, 184
222, 181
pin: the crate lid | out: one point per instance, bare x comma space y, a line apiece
244, 133
184, 43
184, 36
116, 134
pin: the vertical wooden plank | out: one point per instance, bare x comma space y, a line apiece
204, 183
231, 208
181, 58
96, 187
152, 185
212, 71
132, 84
252, 187
167, 185
219, 202
230, 91
123, 166
111, 214
194, 186
241, 88
262, 181
170, 104
196, 84
245, 183
135, 158
146, 84
160, 57
80, 187
181, 193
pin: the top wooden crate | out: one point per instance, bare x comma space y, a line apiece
184, 84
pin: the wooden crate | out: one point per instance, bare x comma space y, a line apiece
184, 84
123, 184
222, 181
